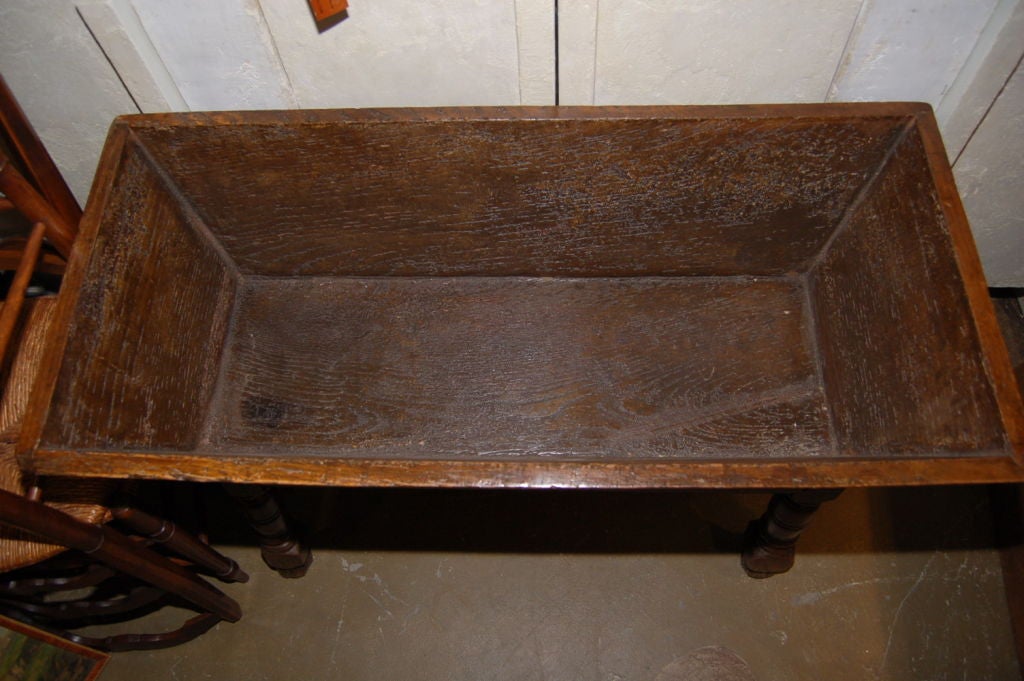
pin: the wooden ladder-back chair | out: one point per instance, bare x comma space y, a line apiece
63, 543
32, 187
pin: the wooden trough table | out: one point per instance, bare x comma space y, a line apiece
783, 297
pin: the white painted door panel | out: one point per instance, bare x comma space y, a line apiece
990, 175
401, 53
220, 54
909, 50
703, 51
986, 71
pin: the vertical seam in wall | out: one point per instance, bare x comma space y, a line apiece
110, 62
985, 44
277, 55
846, 48
593, 71
557, 85
988, 109
519, 52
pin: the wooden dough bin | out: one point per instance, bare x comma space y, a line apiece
743, 296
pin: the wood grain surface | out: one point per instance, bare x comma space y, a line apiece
149, 324
535, 197
901, 357
762, 296
507, 367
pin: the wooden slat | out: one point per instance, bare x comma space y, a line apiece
16, 293
530, 473
112, 548
41, 169
35, 207
11, 251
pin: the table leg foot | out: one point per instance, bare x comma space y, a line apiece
281, 551
769, 545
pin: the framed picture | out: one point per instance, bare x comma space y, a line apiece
28, 654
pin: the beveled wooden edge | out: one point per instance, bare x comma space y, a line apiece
500, 113
624, 474
533, 473
996, 356
42, 392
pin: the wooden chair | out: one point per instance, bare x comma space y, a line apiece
123, 575
32, 187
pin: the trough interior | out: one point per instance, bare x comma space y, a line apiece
580, 289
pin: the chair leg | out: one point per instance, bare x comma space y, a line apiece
769, 547
184, 544
143, 579
281, 550
107, 546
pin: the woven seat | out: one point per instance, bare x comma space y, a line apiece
82, 499
35, 189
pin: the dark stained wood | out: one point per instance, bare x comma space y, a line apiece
281, 549
192, 628
528, 472
1000, 371
680, 297
11, 310
167, 533
154, 317
122, 579
35, 207
770, 543
12, 249
114, 549
495, 368
536, 197
901, 358
1010, 316
49, 366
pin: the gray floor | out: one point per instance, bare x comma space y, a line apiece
593, 585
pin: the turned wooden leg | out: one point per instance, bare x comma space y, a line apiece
183, 543
769, 547
281, 551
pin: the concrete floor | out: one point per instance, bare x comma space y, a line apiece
407, 584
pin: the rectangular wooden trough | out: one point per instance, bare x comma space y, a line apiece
770, 296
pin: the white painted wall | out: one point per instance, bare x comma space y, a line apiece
714, 51
400, 53
250, 54
63, 82
221, 54
909, 49
989, 175
983, 75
